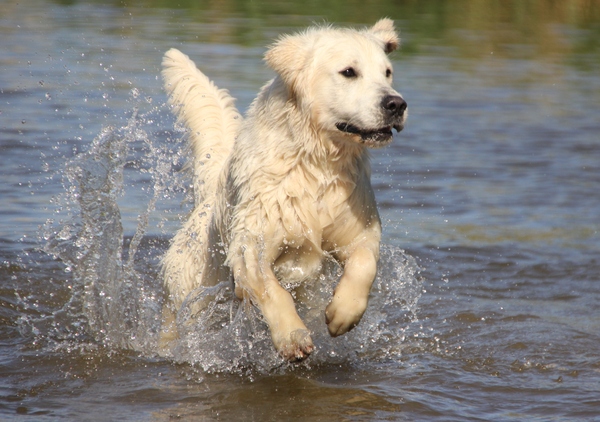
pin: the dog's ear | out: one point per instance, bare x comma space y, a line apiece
287, 57
384, 30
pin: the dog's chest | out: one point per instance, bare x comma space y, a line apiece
323, 211
323, 217
316, 207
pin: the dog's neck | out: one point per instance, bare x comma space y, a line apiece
305, 139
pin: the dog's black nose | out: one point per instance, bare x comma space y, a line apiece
394, 105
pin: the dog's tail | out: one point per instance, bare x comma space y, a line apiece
208, 113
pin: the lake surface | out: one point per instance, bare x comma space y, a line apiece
486, 302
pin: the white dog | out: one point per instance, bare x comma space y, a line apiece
278, 191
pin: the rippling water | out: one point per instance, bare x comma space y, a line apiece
485, 307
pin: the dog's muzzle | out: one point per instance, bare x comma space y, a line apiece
394, 108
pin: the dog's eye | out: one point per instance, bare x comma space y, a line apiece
388, 73
348, 73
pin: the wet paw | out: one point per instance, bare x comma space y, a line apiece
298, 347
342, 316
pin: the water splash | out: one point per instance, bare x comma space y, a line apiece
122, 305
231, 336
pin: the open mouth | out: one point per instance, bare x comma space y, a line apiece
372, 137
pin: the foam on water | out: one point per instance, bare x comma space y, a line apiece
122, 304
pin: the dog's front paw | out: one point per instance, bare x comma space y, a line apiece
297, 347
343, 315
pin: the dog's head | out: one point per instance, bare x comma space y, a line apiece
342, 78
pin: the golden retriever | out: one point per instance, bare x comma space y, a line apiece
288, 185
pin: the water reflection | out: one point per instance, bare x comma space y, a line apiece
566, 31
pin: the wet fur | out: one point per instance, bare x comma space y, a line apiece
278, 191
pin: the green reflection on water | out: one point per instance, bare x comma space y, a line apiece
567, 30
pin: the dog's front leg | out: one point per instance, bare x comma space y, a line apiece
351, 295
257, 280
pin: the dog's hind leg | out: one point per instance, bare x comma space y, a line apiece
168, 329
